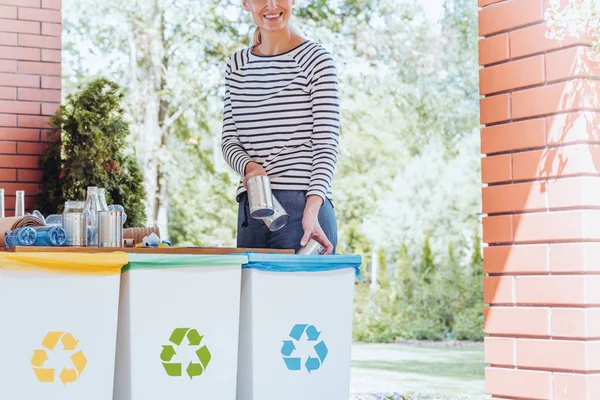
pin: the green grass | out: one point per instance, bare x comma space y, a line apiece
418, 370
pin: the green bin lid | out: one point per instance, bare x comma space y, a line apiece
144, 261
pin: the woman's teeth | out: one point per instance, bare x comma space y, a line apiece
273, 16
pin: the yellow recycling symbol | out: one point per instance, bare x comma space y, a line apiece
40, 357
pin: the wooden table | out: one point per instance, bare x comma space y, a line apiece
146, 250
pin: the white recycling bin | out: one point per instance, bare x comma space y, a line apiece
58, 325
178, 327
296, 327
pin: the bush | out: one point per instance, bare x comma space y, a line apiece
425, 300
90, 151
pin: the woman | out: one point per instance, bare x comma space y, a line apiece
281, 119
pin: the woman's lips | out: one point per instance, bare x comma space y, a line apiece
272, 16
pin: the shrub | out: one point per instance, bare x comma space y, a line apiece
91, 151
425, 299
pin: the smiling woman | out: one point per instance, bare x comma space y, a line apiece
272, 20
281, 119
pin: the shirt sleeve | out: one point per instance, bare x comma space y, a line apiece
233, 150
326, 128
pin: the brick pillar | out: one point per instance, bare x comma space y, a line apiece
30, 90
541, 195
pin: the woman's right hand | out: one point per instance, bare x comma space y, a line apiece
253, 169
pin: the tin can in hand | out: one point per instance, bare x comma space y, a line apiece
279, 219
312, 248
260, 198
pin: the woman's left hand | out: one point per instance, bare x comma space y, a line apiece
310, 223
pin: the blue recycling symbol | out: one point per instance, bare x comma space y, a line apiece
294, 363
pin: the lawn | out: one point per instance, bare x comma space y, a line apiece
422, 371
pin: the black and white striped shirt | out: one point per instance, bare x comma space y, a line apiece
282, 112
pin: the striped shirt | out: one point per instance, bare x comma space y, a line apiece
282, 112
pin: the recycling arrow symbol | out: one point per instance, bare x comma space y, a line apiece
168, 353
67, 375
311, 334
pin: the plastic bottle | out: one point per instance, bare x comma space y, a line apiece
50, 236
102, 200
118, 207
20, 237
92, 205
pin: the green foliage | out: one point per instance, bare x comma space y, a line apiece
427, 266
383, 277
90, 152
447, 305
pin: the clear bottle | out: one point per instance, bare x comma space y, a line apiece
92, 205
102, 199
74, 223
20, 203
118, 207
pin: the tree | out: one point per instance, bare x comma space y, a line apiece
427, 265
383, 275
90, 151
405, 276
167, 54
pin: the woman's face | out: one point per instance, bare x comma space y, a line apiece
270, 15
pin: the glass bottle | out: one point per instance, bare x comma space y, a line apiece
74, 223
92, 205
20, 203
102, 199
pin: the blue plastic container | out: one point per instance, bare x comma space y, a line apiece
20, 237
50, 236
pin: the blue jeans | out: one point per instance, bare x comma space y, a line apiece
256, 234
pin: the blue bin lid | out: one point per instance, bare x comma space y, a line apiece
302, 263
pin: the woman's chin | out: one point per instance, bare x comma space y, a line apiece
276, 24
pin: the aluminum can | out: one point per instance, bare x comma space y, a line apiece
279, 219
74, 225
110, 228
312, 248
260, 198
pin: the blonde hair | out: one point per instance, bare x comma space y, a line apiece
257, 36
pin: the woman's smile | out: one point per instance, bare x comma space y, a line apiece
272, 16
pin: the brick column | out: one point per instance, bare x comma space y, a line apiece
30, 90
542, 199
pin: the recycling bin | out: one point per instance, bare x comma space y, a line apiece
178, 327
296, 327
58, 319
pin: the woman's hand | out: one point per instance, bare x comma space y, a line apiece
253, 169
310, 223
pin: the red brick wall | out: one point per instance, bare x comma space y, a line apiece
30, 90
541, 194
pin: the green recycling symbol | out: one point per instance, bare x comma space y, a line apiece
168, 352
